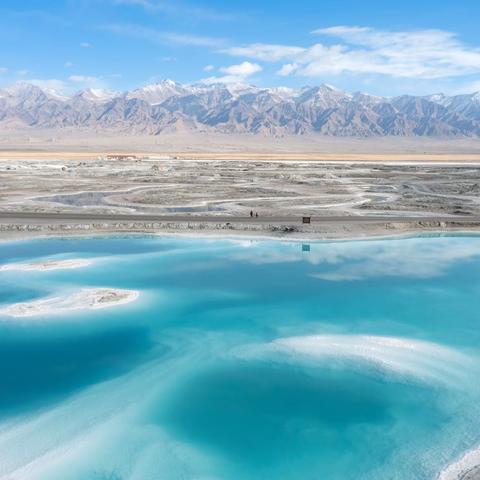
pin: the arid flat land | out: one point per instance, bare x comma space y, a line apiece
78, 140
212, 192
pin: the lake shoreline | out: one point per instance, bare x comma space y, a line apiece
297, 232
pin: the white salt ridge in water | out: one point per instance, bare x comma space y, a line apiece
47, 265
469, 463
98, 425
86, 298
399, 355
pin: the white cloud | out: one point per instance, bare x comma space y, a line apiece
208, 68
244, 69
3, 70
419, 54
50, 84
235, 73
68, 64
287, 69
85, 45
83, 79
22, 73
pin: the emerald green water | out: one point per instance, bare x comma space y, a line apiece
243, 359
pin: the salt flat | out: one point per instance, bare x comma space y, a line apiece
223, 187
273, 187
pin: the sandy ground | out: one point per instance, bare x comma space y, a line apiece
79, 140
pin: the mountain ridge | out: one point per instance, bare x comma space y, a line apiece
169, 107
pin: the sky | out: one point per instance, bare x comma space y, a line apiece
387, 47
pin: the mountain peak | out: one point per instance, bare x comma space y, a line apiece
21, 86
96, 95
23, 90
214, 107
156, 93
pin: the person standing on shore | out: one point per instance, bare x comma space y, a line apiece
251, 213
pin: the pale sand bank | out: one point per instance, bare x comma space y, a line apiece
466, 468
85, 299
47, 265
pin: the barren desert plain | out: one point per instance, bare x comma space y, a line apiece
348, 187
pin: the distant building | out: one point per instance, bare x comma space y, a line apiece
121, 157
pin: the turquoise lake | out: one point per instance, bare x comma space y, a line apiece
243, 359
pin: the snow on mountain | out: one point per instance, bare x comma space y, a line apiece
169, 106
158, 92
97, 95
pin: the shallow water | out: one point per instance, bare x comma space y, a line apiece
81, 199
243, 359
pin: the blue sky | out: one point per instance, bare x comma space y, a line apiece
384, 47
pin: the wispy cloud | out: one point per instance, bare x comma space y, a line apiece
161, 37
178, 8
193, 40
420, 54
69, 85
50, 84
85, 45
265, 52
468, 88
38, 15
84, 78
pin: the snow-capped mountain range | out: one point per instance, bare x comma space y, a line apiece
171, 107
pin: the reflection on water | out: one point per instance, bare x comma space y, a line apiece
243, 359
